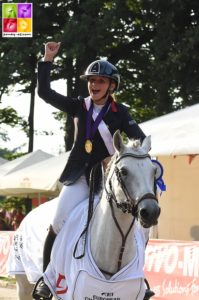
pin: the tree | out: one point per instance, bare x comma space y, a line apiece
9, 116
171, 70
181, 53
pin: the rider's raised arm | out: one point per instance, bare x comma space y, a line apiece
63, 103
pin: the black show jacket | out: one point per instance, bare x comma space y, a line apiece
117, 117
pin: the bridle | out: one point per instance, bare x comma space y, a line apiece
131, 205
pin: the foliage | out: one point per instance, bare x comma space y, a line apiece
11, 202
175, 52
8, 280
9, 117
11, 154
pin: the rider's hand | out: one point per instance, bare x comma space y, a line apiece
51, 49
105, 162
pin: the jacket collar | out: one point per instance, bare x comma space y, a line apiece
87, 103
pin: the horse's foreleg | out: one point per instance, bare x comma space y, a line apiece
24, 287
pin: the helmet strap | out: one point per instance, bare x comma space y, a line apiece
111, 90
108, 92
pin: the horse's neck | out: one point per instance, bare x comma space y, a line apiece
106, 240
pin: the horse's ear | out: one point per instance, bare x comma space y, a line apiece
146, 144
117, 141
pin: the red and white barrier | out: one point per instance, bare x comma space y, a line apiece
6, 238
172, 267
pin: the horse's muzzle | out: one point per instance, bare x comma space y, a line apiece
148, 213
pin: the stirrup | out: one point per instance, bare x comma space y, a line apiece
41, 291
148, 294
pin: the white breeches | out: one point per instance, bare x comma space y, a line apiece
69, 197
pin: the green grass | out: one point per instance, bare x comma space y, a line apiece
8, 279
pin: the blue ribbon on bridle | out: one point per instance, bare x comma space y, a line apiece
160, 183
159, 180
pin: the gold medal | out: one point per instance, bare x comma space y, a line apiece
88, 146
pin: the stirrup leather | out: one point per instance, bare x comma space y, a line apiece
41, 291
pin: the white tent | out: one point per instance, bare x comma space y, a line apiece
176, 133
41, 178
3, 161
175, 142
23, 161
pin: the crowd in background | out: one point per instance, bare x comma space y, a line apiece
10, 220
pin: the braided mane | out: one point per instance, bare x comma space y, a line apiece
135, 144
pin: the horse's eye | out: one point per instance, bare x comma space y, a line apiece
123, 172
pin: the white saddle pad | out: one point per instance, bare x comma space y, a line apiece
70, 278
88, 287
27, 248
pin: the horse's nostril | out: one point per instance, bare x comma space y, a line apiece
148, 215
159, 211
144, 213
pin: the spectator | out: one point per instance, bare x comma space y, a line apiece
18, 217
3, 224
10, 217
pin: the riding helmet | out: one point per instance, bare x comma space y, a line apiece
102, 68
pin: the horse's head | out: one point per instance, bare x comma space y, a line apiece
131, 180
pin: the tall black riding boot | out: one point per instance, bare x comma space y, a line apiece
41, 290
48, 247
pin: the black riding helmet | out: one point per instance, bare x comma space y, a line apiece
102, 68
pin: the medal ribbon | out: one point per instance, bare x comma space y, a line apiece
91, 129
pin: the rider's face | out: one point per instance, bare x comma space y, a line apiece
97, 87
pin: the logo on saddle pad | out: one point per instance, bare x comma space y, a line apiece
103, 296
61, 286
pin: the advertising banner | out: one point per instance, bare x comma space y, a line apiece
172, 269
5, 243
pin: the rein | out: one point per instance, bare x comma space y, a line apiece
89, 216
124, 238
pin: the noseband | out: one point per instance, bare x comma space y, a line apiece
131, 205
